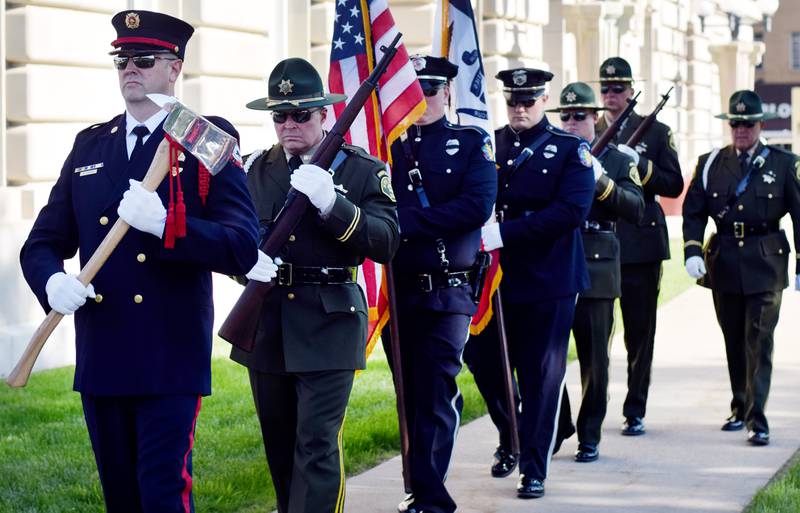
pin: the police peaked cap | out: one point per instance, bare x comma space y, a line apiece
746, 105
577, 95
294, 84
433, 69
524, 83
141, 32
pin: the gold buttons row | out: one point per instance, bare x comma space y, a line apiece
98, 298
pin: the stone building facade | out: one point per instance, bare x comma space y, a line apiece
56, 78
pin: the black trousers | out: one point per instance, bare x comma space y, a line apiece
431, 345
302, 416
592, 327
143, 448
538, 339
748, 324
641, 284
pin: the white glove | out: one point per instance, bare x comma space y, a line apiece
264, 270
65, 293
627, 150
490, 234
597, 167
143, 210
695, 267
317, 184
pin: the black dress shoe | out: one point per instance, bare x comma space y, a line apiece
586, 453
633, 426
733, 424
529, 488
758, 438
406, 503
561, 436
504, 463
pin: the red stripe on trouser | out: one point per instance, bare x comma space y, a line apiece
187, 477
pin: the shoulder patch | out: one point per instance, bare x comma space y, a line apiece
671, 138
486, 149
633, 174
584, 154
797, 170
386, 186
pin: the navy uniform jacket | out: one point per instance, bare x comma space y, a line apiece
660, 173
755, 263
544, 203
618, 195
460, 181
305, 327
151, 331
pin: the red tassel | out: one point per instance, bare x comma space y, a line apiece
169, 230
180, 216
203, 182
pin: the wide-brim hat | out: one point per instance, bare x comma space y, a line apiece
746, 105
524, 83
616, 69
577, 95
141, 32
294, 84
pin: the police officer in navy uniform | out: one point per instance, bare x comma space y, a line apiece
312, 332
644, 245
545, 190
745, 188
445, 180
618, 194
144, 337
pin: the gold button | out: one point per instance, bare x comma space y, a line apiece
741, 243
98, 298
138, 298
741, 207
352, 308
140, 257
104, 220
290, 295
769, 195
291, 238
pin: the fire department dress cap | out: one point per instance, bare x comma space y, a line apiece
523, 84
143, 32
746, 105
294, 84
577, 95
433, 71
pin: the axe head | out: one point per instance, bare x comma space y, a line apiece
211, 145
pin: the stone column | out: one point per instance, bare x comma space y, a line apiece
594, 25
796, 119
736, 61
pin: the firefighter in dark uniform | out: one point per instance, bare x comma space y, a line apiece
745, 188
445, 180
545, 190
643, 245
618, 194
313, 329
143, 344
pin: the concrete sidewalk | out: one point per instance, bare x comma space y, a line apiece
683, 464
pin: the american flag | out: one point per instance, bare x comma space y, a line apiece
360, 29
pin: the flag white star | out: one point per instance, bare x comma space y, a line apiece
338, 44
354, 11
342, 2
336, 17
346, 27
359, 39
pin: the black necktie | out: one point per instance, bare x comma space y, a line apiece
140, 131
295, 162
743, 161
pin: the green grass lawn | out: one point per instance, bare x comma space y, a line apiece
46, 462
782, 494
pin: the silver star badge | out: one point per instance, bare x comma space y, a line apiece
571, 96
285, 87
611, 70
740, 107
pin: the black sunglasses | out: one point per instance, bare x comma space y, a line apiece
616, 88
736, 123
140, 61
431, 91
577, 115
525, 103
298, 116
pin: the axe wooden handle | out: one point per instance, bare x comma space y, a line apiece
155, 174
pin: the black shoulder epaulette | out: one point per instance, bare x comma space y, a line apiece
99, 128
557, 131
361, 152
782, 150
478, 129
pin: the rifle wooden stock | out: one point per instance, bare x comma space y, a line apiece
647, 122
615, 127
241, 324
155, 174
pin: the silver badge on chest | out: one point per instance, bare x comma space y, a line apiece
452, 146
550, 151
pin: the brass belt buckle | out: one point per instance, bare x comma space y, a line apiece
738, 230
285, 274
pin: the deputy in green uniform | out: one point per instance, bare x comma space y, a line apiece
313, 328
643, 245
745, 188
618, 194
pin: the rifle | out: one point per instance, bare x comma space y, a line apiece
241, 324
648, 121
615, 127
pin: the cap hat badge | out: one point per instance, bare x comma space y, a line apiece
419, 63
132, 20
285, 87
740, 107
611, 70
571, 96
519, 77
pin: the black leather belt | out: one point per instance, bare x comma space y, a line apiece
590, 226
428, 282
742, 230
289, 274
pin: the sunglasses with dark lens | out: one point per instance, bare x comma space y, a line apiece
298, 116
616, 88
577, 116
431, 91
736, 123
527, 103
140, 61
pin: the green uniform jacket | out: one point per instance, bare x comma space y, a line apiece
306, 328
660, 174
618, 195
755, 263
